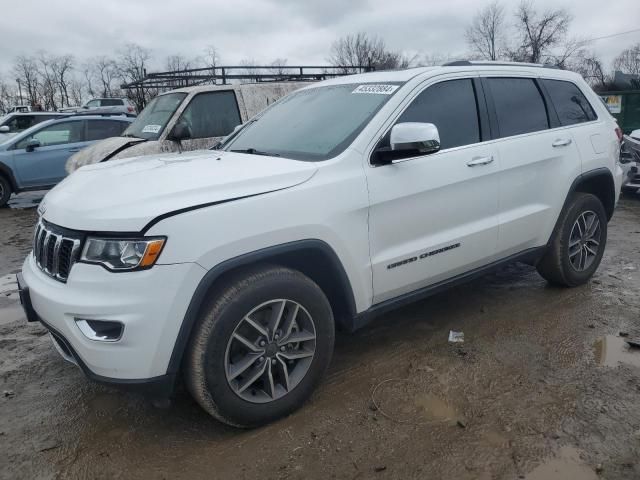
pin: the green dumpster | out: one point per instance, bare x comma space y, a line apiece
625, 106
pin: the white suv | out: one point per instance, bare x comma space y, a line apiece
232, 268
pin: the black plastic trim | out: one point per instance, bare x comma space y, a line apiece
483, 111
362, 319
263, 255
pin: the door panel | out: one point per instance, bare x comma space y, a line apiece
435, 216
538, 162
534, 180
45, 165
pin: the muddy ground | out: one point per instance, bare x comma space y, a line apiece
543, 387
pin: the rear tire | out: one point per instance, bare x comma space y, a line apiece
249, 359
578, 243
5, 191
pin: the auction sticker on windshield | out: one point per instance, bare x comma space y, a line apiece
376, 89
151, 128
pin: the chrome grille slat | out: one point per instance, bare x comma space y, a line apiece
54, 251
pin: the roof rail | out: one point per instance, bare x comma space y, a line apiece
489, 63
89, 113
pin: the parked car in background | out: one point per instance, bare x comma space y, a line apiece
342, 201
35, 159
630, 160
20, 108
111, 106
17, 122
187, 119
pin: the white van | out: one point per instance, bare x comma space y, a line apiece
203, 116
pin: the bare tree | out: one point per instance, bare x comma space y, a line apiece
178, 62
62, 67
360, 50
629, 60
104, 71
539, 32
132, 66
591, 68
26, 71
48, 82
211, 57
486, 34
277, 66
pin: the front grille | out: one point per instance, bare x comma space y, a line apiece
55, 251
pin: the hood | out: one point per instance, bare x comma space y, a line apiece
100, 151
125, 195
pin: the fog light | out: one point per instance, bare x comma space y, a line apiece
100, 330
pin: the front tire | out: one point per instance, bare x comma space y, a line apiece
578, 243
5, 191
261, 346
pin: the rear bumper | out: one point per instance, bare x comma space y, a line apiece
150, 304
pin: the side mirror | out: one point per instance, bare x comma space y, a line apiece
180, 131
635, 134
5, 129
409, 139
419, 138
32, 144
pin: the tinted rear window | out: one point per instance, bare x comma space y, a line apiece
112, 102
99, 129
519, 106
570, 103
450, 106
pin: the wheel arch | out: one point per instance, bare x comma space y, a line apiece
598, 182
6, 172
314, 258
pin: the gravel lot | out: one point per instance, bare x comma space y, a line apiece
543, 387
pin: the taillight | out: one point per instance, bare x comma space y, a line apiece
619, 133
130, 109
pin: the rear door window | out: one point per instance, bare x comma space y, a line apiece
450, 106
21, 122
212, 114
99, 129
519, 106
570, 103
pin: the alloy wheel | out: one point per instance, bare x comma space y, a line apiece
270, 351
584, 241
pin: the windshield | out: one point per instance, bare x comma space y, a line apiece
314, 124
155, 116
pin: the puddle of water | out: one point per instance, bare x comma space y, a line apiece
611, 351
565, 466
26, 200
431, 407
406, 402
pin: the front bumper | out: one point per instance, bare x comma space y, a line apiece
151, 305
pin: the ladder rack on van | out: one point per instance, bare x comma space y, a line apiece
239, 74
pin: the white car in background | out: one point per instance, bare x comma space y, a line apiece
191, 118
108, 106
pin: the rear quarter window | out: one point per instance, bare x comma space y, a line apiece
519, 106
100, 129
570, 103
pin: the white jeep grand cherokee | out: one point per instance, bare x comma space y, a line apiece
233, 267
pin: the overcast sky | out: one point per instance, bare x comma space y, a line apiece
299, 30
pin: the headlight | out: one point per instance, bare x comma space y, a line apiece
121, 254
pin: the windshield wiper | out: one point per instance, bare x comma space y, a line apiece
253, 151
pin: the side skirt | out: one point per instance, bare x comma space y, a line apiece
530, 256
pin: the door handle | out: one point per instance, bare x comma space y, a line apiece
561, 142
74, 150
475, 161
